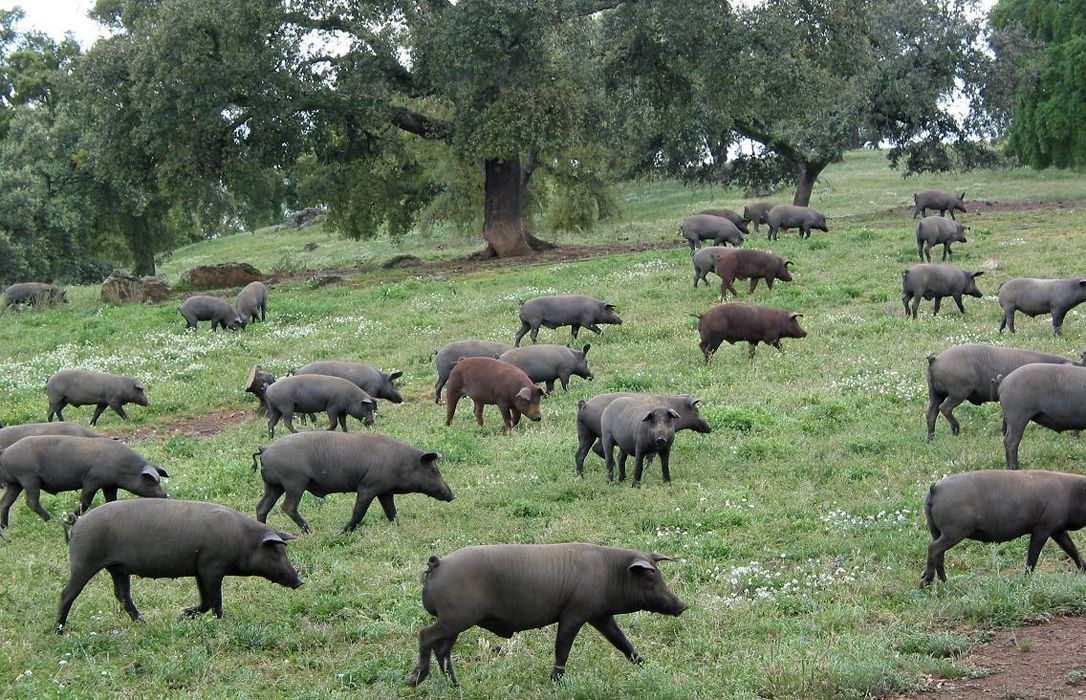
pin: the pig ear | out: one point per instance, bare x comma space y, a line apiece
161, 472
273, 537
586, 348
673, 413
525, 394
1082, 283
795, 315
788, 262
977, 274
150, 472
395, 375
365, 402
962, 197
641, 566
660, 557
694, 402
609, 305
286, 536
430, 458
138, 385
647, 416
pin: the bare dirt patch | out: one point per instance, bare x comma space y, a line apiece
980, 207
195, 427
1037, 661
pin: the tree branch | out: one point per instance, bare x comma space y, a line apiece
420, 124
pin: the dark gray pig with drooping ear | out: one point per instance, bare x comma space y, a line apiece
371, 466
317, 393
573, 310
56, 463
205, 308
639, 430
172, 539
706, 227
998, 506
935, 230
758, 213
447, 357
941, 200
932, 281
378, 384
1053, 396
786, 216
969, 373
34, 294
705, 262
13, 433
1036, 297
730, 215
550, 363
82, 387
509, 588
252, 303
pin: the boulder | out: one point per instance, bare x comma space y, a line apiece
221, 276
120, 288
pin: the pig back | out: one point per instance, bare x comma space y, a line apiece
333, 462
447, 356
312, 392
13, 433
995, 505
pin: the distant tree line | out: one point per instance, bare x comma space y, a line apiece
197, 117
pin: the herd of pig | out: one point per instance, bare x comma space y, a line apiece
509, 588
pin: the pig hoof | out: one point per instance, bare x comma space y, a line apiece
185, 614
347, 530
635, 484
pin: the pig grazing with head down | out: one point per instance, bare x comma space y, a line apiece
933, 230
758, 213
205, 308
705, 262
55, 463
489, 381
447, 357
550, 363
1035, 297
378, 384
736, 323
171, 539
999, 506
640, 430
706, 227
372, 466
509, 588
13, 433
786, 216
82, 387
1050, 395
750, 264
34, 294
573, 310
931, 281
730, 215
252, 303
939, 200
590, 415
969, 373
314, 393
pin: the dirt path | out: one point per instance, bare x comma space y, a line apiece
1037, 661
196, 426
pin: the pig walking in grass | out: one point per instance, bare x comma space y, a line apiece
172, 539
488, 381
786, 216
316, 393
56, 463
706, 227
34, 294
378, 384
705, 262
573, 310
82, 387
509, 588
754, 265
932, 281
730, 215
935, 230
758, 213
1035, 297
639, 430
252, 303
590, 414
371, 466
736, 323
447, 357
205, 308
969, 373
550, 363
999, 506
13, 433
939, 200
1050, 395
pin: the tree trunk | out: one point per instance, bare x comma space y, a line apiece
142, 247
806, 175
504, 226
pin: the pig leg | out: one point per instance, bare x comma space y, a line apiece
574, 329
934, 400
110, 493
118, 408
429, 639
1036, 542
10, 494
361, 505
388, 504
665, 459
947, 253
451, 399
1011, 439
33, 496
947, 409
57, 410
550, 386
507, 418
608, 627
936, 551
568, 627
1007, 314
565, 383
443, 652
753, 285
524, 328
609, 457
290, 507
288, 418
122, 589
750, 351
916, 305
272, 492
639, 468
622, 455
98, 411
1057, 321
594, 328
441, 379
76, 583
585, 442
958, 301
1063, 539
479, 412
273, 420
515, 415
935, 307
210, 587
86, 497
334, 418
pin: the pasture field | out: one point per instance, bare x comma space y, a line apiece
797, 524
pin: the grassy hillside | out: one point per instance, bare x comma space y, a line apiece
797, 523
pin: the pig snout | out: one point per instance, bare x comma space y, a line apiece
677, 608
661, 440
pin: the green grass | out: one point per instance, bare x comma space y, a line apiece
797, 523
